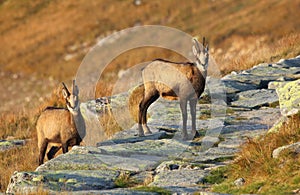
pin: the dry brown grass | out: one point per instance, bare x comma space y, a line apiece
256, 155
35, 35
22, 126
17, 159
263, 173
245, 56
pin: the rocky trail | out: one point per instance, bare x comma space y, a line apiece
163, 160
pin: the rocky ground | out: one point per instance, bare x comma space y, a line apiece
247, 106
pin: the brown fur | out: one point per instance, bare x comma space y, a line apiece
172, 81
62, 127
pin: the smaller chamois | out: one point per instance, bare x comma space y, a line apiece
59, 126
175, 80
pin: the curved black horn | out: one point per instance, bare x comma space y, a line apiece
65, 87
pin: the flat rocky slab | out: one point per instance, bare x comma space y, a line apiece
8, 144
162, 159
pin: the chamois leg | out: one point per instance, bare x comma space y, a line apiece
144, 105
42, 147
193, 103
65, 147
183, 107
52, 152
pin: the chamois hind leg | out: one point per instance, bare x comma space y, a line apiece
144, 105
52, 152
42, 149
193, 103
183, 107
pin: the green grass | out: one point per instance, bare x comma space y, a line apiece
216, 176
125, 180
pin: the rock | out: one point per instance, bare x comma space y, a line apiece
294, 148
116, 191
294, 62
276, 84
231, 143
281, 72
209, 141
239, 182
243, 127
289, 98
277, 125
255, 98
8, 144
164, 148
233, 86
176, 178
154, 136
260, 81
63, 180
101, 159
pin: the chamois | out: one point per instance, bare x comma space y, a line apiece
60, 126
172, 80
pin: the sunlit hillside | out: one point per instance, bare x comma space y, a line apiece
36, 36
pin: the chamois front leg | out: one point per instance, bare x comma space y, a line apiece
141, 111
42, 149
193, 103
183, 107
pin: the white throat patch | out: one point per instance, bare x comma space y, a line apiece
200, 67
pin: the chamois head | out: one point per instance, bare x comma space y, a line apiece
71, 98
201, 54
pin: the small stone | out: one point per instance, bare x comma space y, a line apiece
71, 181
239, 182
294, 148
39, 178
173, 166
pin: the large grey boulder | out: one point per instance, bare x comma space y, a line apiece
289, 97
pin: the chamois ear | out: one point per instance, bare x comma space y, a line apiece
75, 89
196, 47
65, 91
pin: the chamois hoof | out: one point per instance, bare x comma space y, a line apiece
148, 132
185, 138
141, 134
196, 135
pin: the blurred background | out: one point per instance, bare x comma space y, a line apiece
44, 41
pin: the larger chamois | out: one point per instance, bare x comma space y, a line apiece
172, 80
63, 127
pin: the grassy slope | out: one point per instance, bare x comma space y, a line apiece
35, 37
262, 173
